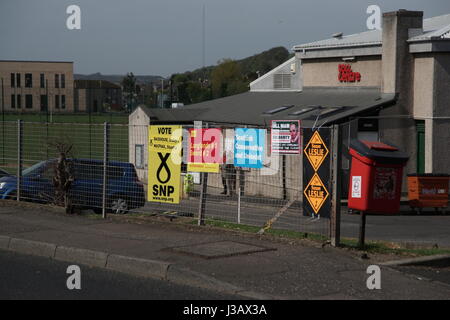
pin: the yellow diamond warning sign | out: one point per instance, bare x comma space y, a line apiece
316, 151
316, 193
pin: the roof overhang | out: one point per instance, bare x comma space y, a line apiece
327, 106
433, 45
340, 52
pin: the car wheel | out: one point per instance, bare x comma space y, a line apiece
12, 196
119, 205
97, 210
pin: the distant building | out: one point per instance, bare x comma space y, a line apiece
389, 85
97, 96
31, 86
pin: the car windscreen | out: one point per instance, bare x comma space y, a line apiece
34, 169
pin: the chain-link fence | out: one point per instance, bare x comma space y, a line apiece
64, 163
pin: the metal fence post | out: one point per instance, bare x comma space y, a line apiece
203, 192
105, 166
19, 157
3, 125
335, 221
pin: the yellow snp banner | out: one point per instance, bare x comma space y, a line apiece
164, 163
203, 167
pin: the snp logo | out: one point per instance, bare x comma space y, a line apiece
73, 22
74, 280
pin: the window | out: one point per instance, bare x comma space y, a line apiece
18, 80
276, 110
28, 101
115, 172
56, 80
139, 156
13, 80
85, 170
48, 173
19, 101
28, 80
44, 102
63, 81
13, 101
42, 80
63, 101
57, 101
368, 129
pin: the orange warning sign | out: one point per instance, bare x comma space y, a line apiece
316, 193
316, 151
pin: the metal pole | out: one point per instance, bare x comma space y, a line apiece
335, 221
46, 110
239, 205
283, 174
362, 230
105, 166
3, 124
19, 157
204, 185
202, 206
162, 89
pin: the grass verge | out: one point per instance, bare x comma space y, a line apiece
371, 247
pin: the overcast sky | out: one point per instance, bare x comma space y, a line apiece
162, 37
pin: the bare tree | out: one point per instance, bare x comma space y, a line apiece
63, 175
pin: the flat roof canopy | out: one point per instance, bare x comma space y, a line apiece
314, 106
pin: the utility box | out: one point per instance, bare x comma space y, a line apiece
376, 174
428, 190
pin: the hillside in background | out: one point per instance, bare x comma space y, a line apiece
117, 78
227, 78
262, 62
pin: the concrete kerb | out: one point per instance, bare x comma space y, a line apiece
82, 256
420, 261
128, 265
139, 267
37, 248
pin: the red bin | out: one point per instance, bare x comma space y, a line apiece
375, 177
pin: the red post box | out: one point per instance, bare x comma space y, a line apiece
375, 177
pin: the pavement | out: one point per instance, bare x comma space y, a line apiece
251, 266
430, 228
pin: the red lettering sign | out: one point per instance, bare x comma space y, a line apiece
205, 146
346, 74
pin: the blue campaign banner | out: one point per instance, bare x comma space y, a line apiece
249, 147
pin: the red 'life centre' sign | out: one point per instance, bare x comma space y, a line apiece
346, 74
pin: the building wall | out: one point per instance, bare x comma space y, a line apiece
291, 68
80, 100
49, 69
423, 86
138, 135
439, 127
98, 99
432, 104
324, 72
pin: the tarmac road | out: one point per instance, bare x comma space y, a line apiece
31, 277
